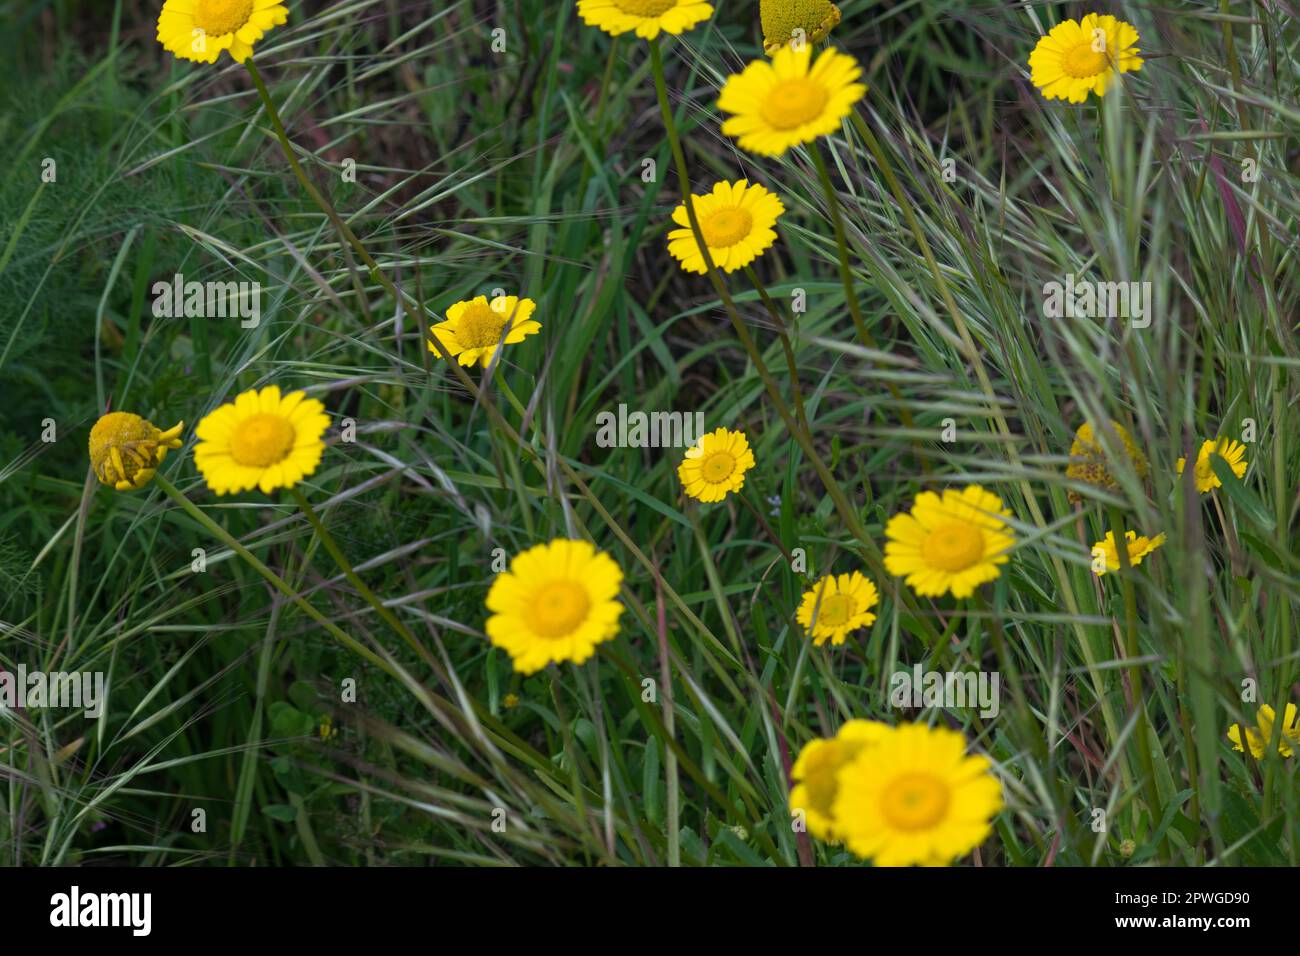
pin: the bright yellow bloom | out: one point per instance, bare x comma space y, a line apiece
200, 29
790, 100
556, 603
647, 17
716, 465
1230, 450
126, 450
1258, 739
835, 607
781, 18
914, 797
475, 331
736, 221
261, 440
1138, 548
954, 543
816, 773
1088, 462
1076, 59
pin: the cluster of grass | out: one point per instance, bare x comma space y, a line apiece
522, 168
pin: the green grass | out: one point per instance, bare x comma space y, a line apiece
523, 170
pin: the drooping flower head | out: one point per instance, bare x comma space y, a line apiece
816, 773
1229, 449
914, 797
1089, 463
716, 466
736, 221
837, 606
476, 330
556, 603
790, 100
261, 440
200, 29
1078, 58
785, 21
951, 543
648, 18
126, 450
1257, 739
1139, 546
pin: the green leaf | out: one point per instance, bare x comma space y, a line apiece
1243, 497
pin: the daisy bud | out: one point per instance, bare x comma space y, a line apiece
126, 450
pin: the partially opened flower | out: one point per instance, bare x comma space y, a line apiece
787, 21
1106, 555
951, 543
1078, 58
914, 797
648, 18
716, 465
126, 450
791, 100
200, 29
736, 221
1257, 738
1090, 464
1230, 450
556, 603
476, 330
816, 773
837, 606
261, 440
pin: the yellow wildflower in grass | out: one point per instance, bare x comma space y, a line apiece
647, 17
915, 797
815, 773
474, 331
1257, 739
261, 440
791, 100
1138, 548
126, 450
200, 29
1078, 58
1230, 450
510, 701
736, 221
556, 603
716, 465
1088, 462
835, 607
950, 543
781, 18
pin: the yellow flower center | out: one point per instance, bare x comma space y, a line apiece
915, 801
219, 17
726, 227
793, 102
718, 467
260, 441
479, 327
1082, 61
558, 609
954, 546
645, 8
836, 610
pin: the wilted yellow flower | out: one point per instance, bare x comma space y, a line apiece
200, 29
1088, 461
1257, 739
813, 19
1230, 450
126, 450
816, 772
1078, 58
1138, 548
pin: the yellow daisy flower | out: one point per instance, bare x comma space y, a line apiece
791, 100
736, 221
200, 29
1257, 739
835, 607
954, 543
261, 440
126, 450
1078, 58
556, 603
914, 797
1088, 461
716, 465
781, 18
475, 331
647, 17
1138, 548
1230, 450
816, 773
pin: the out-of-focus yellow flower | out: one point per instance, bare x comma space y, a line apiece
126, 450
1088, 461
1230, 450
